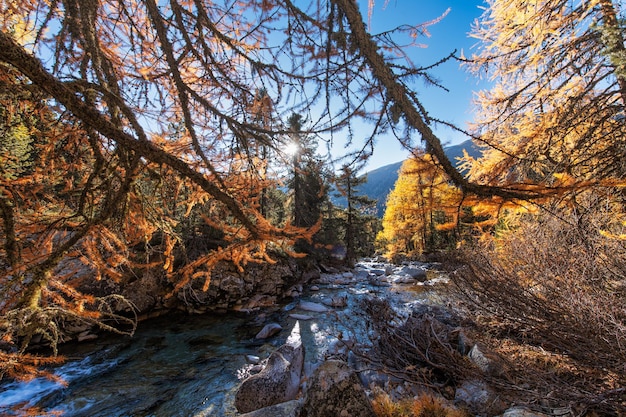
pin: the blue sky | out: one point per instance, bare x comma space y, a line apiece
449, 34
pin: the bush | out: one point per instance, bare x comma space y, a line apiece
554, 287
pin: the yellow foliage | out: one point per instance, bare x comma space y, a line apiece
545, 121
420, 204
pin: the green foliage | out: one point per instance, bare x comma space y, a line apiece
307, 181
360, 215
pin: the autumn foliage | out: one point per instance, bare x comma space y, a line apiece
143, 135
423, 210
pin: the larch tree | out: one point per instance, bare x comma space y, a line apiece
421, 209
113, 76
555, 113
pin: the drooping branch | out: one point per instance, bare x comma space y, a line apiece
401, 97
14, 54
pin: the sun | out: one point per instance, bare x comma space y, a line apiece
292, 149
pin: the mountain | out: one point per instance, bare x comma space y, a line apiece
381, 181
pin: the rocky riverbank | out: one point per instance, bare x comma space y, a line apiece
288, 384
286, 342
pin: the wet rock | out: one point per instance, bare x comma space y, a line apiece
300, 316
314, 288
253, 359
314, 307
269, 330
361, 274
378, 281
336, 301
402, 279
278, 382
415, 273
335, 390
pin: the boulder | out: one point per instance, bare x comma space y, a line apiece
286, 409
416, 273
303, 317
269, 330
485, 360
525, 412
335, 390
402, 279
337, 301
361, 274
314, 307
278, 382
477, 396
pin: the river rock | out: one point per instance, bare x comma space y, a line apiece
402, 279
525, 412
361, 274
253, 359
485, 360
86, 335
278, 382
335, 390
303, 317
417, 274
314, 307
337, 301
286, 409
269, 330
378, 281
477, 395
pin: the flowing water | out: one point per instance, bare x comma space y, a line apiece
182, 365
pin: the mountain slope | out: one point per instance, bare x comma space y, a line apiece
381, 181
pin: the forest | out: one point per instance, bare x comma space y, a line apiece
158, 141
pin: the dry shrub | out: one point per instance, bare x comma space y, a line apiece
423, 405
554, 287
422, 349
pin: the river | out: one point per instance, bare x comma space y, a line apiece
181, 365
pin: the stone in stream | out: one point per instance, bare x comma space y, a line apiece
269, 330
278, 382
336, 301
418, 274
303, 317
314, 307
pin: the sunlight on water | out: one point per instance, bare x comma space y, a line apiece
189, 366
